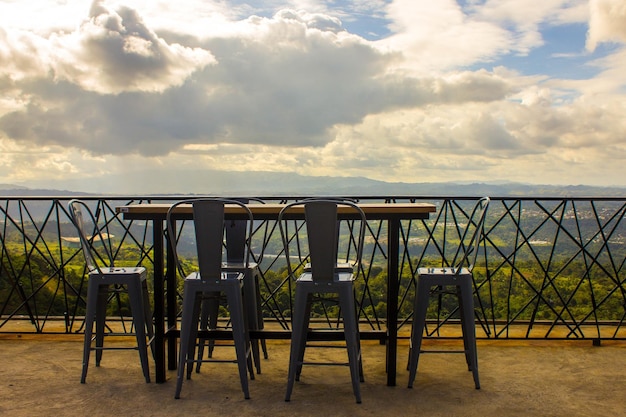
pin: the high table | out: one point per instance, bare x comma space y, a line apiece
393, 213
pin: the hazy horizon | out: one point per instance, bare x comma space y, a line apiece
277, 184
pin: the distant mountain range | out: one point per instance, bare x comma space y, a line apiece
290, 184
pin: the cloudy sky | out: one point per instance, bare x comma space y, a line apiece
145, 92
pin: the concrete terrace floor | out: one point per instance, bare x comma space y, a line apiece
40, 374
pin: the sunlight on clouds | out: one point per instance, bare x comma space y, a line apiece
525, 20
607, 22
199, 147
43, 16
127, 89
445, 35
484, 134
10, 103
529, 14
109, 52
612, 78
21, 163
119, 53
536, 95
23, 56
238, 157
436, 36
197, 18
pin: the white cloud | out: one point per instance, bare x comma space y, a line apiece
110, 52
282, 81
21, 163
530, 13
607, 22
445, 35
436, 36
114, 51
43, 16
229, 85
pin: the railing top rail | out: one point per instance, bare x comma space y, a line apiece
300, 197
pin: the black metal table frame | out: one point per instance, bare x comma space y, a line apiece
157, 217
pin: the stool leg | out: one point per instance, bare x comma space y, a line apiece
193, 332
209, 313
358, 337
305, 326
92, 301
101, 312
469, 327
259, 312
246, 327
346, 299
242, 341
298, 337
135, 295
189, 299
251, 307
147, 313
466, 343
204, 325
419, 319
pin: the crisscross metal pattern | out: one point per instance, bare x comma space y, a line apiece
546, 268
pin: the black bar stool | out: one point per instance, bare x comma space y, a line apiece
438, 280
104, 279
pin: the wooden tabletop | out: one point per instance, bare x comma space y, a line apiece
271, 210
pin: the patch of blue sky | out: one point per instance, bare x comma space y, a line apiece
362, 18
563, 55
372, 28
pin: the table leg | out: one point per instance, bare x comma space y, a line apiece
159, 302
250, 291
393, 283
172, 316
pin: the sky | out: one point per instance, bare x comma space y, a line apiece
154, 95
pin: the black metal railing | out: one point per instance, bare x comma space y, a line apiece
547, 267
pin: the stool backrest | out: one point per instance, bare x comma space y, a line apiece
322, 220
322, 231
94, 240
237, 239
209, 220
